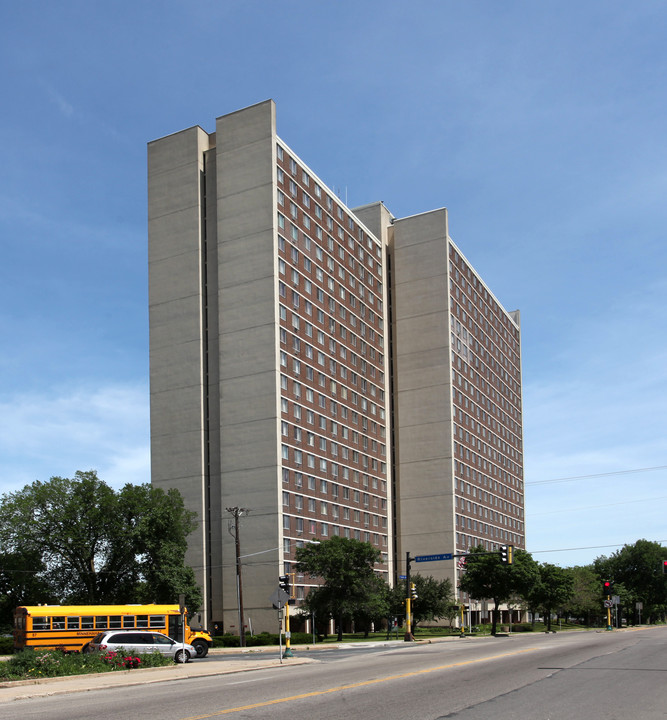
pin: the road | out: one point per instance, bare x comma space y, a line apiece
565, 676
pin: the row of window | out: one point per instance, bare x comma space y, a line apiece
487, 529
496, 457
369, 427
507, 329
475, 401
329, 443
491, 515
493, 369
362, 290
326, 466
475, 338
368, 519
461, 369
355, 319
310, 482
464, 542
363, 265
310, 504
500, 489
333, 207
328, 301
326, 530
336, 370
509, 388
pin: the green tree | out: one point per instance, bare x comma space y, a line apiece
20, 583
553, 589
374, 608
638, 568
161, 524
89, 544
584, 602
434, 598
487, 578
349, 582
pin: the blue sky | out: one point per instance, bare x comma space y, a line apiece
540, 126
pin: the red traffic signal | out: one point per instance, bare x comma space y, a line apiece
607, 587
664, 567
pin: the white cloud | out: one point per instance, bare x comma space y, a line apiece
66, 108
105, 429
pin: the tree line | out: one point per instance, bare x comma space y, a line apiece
79, 541
351, 592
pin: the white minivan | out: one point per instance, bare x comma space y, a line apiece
142, 641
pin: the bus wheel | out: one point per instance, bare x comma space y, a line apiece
201, 646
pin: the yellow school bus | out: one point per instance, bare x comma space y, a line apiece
71, 627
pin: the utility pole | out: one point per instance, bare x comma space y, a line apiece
409, 637
237, 512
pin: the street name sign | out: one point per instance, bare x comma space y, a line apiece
431, 558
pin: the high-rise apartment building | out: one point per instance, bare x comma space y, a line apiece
319, 370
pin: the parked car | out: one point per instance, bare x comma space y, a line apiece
142, 642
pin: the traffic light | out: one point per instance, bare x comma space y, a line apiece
607, 587
507, 554
413, 591
664, 567
283, 581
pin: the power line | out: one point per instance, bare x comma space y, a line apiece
594, 507
598, 475
587, 547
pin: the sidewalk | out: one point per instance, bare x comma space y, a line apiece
23, 689
252, 659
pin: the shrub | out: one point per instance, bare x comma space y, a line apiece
31, 663
6, 645
263, 639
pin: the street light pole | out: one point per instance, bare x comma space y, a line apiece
237, 512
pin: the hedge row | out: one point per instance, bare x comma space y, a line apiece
265, 638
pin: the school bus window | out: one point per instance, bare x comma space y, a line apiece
101, 622
128, 621
114, 622
87, 623
73, 623
41, 623
142, 621
59, 623
157, 621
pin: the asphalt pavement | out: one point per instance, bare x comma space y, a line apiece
244, 661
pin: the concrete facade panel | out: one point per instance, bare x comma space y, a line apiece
424, 333
169, 364
186, 399
429, 296
177, 455
182, 230
175, 277
175, 323
426, 441
417, 370
176, 150
424, 405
